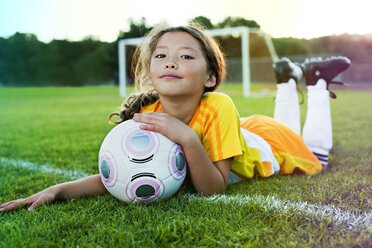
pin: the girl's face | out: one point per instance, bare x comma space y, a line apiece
178, 66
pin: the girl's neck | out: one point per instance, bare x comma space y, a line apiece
182, 109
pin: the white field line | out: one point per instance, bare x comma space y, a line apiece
47, 168
349, 219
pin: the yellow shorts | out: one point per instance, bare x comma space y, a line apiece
289, 148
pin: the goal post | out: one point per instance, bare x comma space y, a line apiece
242, 32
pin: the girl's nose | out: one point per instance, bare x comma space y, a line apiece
171, 65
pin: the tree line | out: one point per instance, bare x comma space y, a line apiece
26, 61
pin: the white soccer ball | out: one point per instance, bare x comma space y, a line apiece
140, 166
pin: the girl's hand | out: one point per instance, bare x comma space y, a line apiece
165, 124
44, 197
207, 178
88, 186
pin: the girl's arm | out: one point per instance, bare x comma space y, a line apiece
207, 178
88, 186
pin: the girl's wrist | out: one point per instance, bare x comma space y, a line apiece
190, 139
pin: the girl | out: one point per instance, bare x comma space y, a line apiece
183, 66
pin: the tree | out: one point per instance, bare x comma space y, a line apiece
291, 46
203, 21
21, 48
94, 67
24, 60
4, 62
135, 29
354, 46
236, 22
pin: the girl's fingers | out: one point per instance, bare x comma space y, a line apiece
34, 200
11, 205
16, 203
152, 121
149, 118
4, 207
41, 201
153, 128
36, 204
6, 204
30, 200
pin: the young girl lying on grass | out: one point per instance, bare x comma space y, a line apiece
184, 66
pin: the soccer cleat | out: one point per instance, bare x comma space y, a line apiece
328, 69
285, 69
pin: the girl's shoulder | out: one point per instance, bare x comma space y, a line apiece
153, 107
218, 104
217, 99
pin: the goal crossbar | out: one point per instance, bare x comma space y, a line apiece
243, 32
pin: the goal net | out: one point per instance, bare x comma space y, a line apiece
249, 53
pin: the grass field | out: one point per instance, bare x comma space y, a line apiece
46, 133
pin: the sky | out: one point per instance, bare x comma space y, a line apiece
104, 19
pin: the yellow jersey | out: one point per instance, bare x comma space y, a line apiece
225, 135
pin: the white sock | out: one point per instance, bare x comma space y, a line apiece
287, 107
317, 131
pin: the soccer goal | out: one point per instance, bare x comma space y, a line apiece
237, 32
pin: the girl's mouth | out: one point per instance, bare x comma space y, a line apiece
170, 76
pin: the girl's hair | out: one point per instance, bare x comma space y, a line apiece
216, 65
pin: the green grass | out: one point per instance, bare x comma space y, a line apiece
64, 127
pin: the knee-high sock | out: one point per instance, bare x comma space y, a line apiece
287, 107
317, 131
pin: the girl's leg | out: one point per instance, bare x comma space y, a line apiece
317, 131
287, 108
319, 75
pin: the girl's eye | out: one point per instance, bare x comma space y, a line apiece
186, 57
159, 56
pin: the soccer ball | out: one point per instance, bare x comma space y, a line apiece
140, 166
